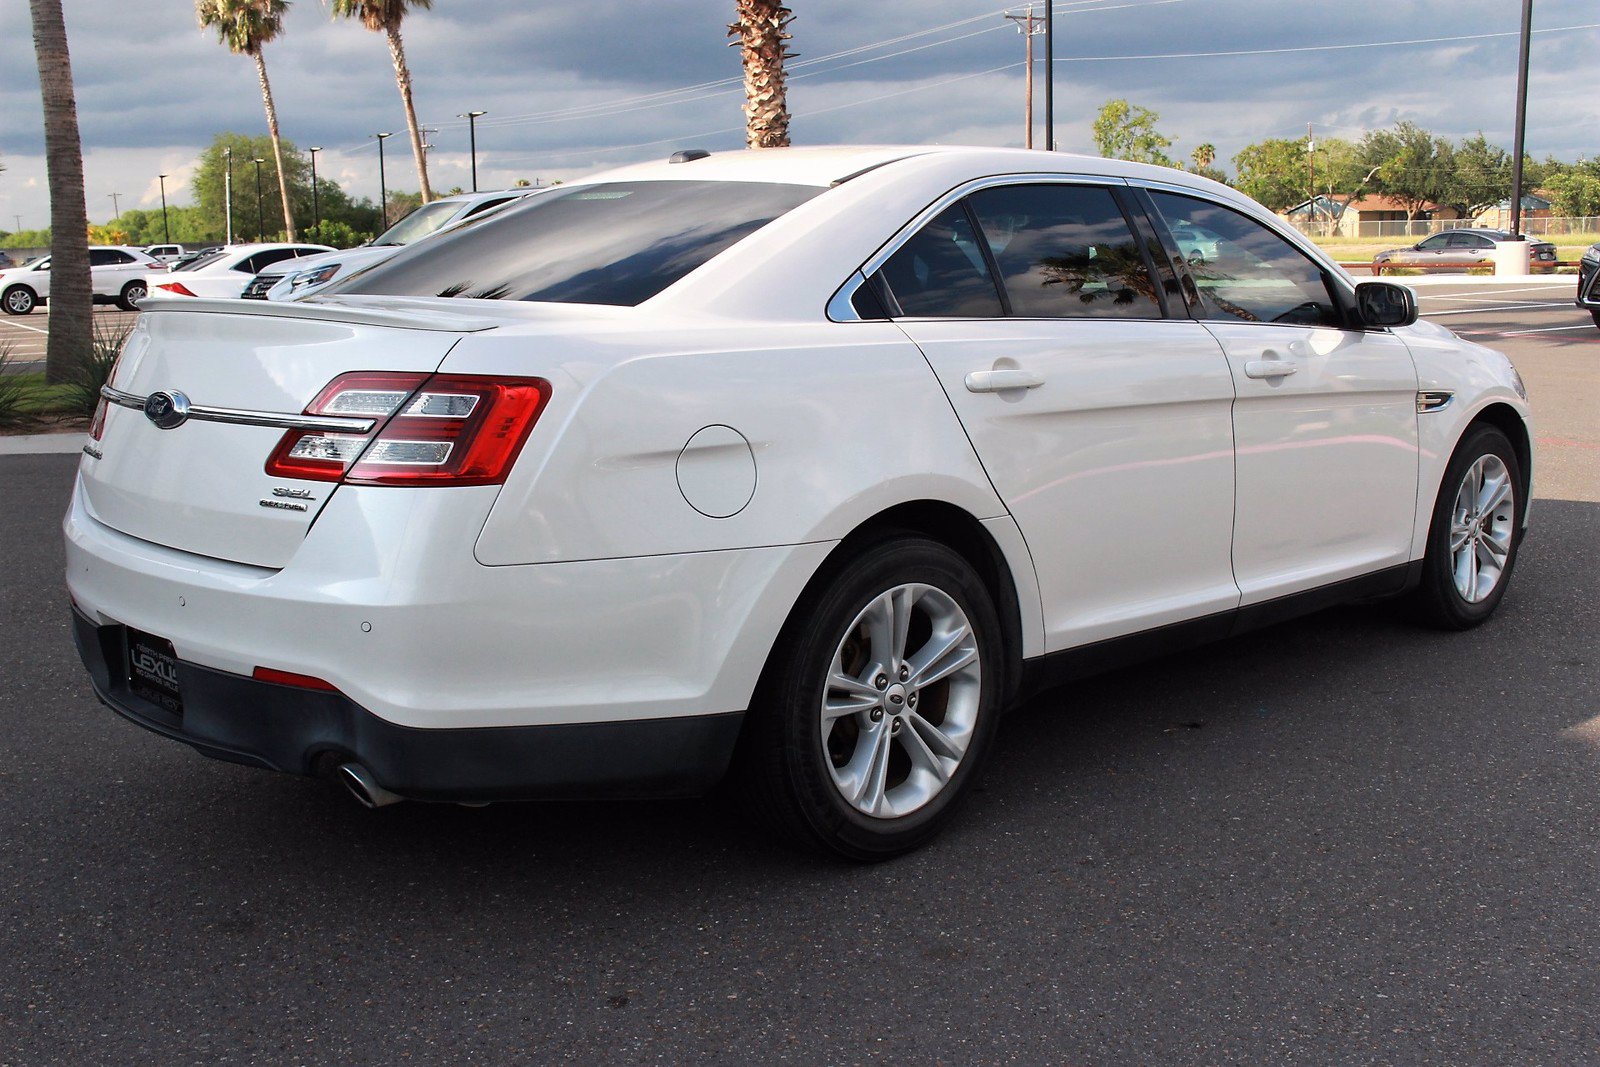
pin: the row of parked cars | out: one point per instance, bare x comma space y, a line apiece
125, 275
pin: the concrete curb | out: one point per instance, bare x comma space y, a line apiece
43, 444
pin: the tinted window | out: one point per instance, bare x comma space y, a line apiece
941, 272
486, 205
1065, 251
1433, 244
1252, 274
265, 259
419, 223
201, 261
107, 257
618, 243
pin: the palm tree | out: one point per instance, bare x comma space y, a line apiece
245, 26
71, 303
385, 16
1204, 155
761, 30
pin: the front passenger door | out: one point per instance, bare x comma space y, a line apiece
1325, 424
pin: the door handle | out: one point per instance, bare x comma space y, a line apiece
996, 381
1269, 368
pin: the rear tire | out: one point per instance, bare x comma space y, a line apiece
18, 300
1474, 534
878, 703
132, 293
1596, 316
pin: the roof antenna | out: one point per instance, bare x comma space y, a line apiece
688, 155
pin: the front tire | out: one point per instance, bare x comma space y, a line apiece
1474, 534
878, 703
18, 300
132, 293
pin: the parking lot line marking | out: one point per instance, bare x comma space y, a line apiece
20, 326
1480, 296
1548, 329
1510, 307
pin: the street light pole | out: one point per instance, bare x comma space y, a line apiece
472, 140
383, 186
316, 219
261, 226
1522, 121
116, 208
1049, 76
166, 234
227, 194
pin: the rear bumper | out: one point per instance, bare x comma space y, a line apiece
300, 731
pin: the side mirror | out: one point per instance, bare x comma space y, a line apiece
1385, 304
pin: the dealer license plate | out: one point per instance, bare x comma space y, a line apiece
153, 671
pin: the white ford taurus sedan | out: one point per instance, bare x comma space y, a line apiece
803, 464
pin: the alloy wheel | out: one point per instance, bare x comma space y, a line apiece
1482, 524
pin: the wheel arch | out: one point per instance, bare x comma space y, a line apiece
957, 529
1510, 422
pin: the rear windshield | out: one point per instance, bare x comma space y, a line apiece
201, 261
617, 243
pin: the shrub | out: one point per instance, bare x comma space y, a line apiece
12, 390
81, 392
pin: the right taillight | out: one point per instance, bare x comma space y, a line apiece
457, 429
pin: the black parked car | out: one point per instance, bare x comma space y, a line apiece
1589, 282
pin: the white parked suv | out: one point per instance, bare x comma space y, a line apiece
800, 463
286, 281
117, 275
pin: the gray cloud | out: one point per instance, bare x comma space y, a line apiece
153, 90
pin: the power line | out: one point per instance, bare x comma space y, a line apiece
1318, 47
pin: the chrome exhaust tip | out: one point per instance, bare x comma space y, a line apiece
369, 793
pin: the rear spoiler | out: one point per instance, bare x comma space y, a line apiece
396, 312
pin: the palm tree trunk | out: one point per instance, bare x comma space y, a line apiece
762, 48
402, 78
71, 299
277, 148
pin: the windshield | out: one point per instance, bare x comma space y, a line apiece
618, 243
419, 223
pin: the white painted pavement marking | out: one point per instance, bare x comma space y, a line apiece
1548, 329
22, 326
1507, 307
1482, 296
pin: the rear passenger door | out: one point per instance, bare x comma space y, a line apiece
1102, 421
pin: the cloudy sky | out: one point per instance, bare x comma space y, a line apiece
571, 87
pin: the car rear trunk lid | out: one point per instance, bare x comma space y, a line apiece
201, 486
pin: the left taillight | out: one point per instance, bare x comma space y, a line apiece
457, 429
175, 287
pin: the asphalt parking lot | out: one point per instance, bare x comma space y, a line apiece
23, 336
1344, 840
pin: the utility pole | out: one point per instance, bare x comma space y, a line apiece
1025, 25
383, 186
19, 222
1522, 122
1311, 171
116, 208
472, 118
166, 234
1049, 76
227, 194
261, 225
316, 219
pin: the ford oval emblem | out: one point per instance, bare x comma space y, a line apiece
168, 409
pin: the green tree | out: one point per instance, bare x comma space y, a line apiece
1127, 131
1480, 178
1413, 165
70, 341
335, 206
1575, 192
385, 17
247, 26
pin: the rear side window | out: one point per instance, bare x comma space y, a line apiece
1250, 273
1065, 251
617, 243
942, 272
108, 257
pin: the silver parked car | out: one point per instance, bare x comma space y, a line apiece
1465, 248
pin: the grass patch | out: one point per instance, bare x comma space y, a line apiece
27, 398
